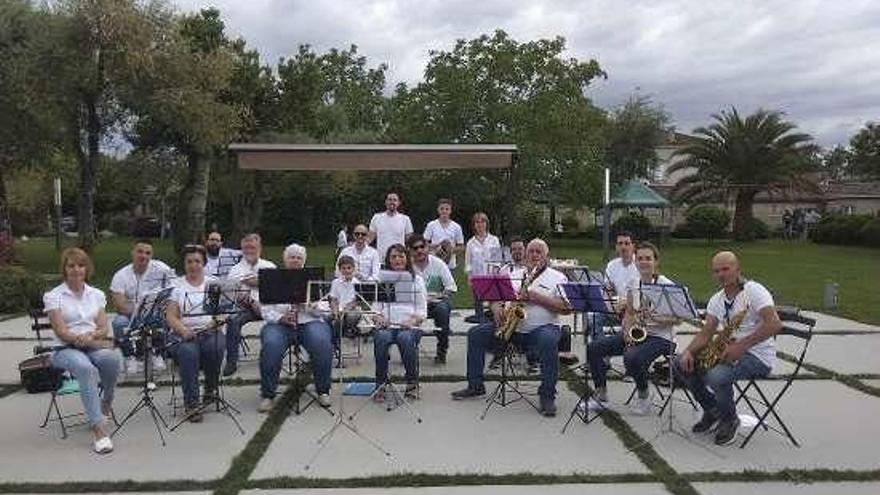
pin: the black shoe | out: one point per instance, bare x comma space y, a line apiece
725, 434
468, 393
706, 423
532, 368
209, 397
230, 368
496, 361
440, 358
548, 407
472, 319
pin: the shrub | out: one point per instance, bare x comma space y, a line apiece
707, 222
119, 225
634, 222
756, 229
529, 221
844, 229
870, 233
20, 289
570, 223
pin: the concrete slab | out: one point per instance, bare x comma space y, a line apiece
779, 488
840, 353
827, 323
572, 489
834, 424
194, 451
19, 327
451, 440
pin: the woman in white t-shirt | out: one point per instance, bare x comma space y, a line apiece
76, 312
482, 248
637, 356
197, 342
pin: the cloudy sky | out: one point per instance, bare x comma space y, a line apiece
818, 61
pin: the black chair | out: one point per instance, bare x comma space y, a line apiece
657, 381
795, 326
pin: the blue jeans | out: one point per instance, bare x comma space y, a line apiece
439, 312
120, 326
407, 340
91, 368
636, 358
233, 333
714, 389
275, 338
542, 341
205, 352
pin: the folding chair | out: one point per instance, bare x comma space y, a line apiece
802, 331
675, 385
298, 365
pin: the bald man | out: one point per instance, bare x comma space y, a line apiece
751, 354
539, 331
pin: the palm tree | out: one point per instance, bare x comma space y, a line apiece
739, 158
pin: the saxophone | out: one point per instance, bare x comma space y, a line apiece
637, 316
515, 313
710, 356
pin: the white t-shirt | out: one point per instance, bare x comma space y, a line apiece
436, 232
341, 239
655, 329
343, 291
220, 265
411, 295
190, 301
753, 298
622, 276
367, 262
437, 276
244, 270
79, 313
390, 230
134, 286
478, 254
536, 315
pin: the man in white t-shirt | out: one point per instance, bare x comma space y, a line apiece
246, 274
367, 261
219, 259
620, 273
390, 226
750, 354
127, 288
444, 235
440, 286
539, 331
341, 239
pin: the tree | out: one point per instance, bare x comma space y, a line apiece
835, 163
635, 130
738, 158
865, 152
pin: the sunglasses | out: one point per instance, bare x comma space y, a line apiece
418, 247
360, 234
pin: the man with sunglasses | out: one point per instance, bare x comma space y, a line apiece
440, 286
367, 262
751, 352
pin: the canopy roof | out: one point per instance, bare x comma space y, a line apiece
634, 193
329, 157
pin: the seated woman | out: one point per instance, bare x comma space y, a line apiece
287, 324
76, 312
398, 322
637, 356
196, 342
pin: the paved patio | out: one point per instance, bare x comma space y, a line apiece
509, 452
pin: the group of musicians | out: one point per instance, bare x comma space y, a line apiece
195, 340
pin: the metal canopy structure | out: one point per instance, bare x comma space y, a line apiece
334, 157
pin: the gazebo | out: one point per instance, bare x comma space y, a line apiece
635, 194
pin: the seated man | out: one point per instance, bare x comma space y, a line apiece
127, 288
637, 356
219, 259
746, 309
440, 286
245, 273
287, 324
367, 261
540, 330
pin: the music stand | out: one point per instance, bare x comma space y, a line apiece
218, 299
586, 297
225, 262
148, 318
403, 291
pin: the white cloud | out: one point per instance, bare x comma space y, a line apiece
815, 60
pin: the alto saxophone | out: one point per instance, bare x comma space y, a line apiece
710, 356
637, 316
515, 313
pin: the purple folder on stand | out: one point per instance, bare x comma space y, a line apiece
493, 287
587, 297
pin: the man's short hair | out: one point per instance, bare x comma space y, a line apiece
253, 236
444, 201
514, 239
345, 260
414, 238
624, 233
144, 240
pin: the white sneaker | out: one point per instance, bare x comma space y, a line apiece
158, 363
265, 405
103, 445
642, 407
324, 400
132, 366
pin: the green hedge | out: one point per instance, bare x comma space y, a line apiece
20, 289
634, 222
847, 230
704, 222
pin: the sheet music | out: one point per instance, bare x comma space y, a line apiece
669, 300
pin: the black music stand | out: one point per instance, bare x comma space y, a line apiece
147, 319
586, 297
225, 262
394, 288
218, 299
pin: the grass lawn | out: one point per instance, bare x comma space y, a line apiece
794, 272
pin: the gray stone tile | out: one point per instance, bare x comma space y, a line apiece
840, 353
826, 323
452, 439
570, 489
780, 488
194, 451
